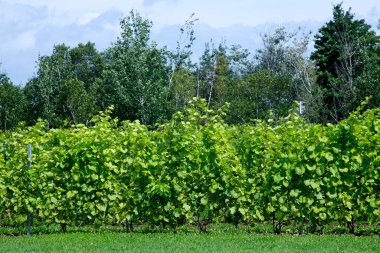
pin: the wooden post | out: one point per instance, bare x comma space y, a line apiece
29, 167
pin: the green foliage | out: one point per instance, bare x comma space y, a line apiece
200, 165
312, 173
12, 104
255, 95
78, 102
182, 89
87, 63
195, 169
64, 88
135, 76
285, 54
214, 75
147, 82
347, 64
44, 90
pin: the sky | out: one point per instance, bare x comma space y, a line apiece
29, 28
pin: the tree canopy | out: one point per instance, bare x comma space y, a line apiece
347, 61
149, 83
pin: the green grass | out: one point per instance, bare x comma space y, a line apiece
193, 242
220, 238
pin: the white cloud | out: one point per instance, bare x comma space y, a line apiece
218, 13
28, 28
87, 18
23, 41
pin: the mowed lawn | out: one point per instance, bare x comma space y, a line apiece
166, 242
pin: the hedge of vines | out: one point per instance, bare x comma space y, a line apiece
194, 169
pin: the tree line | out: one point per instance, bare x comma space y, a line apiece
146, 82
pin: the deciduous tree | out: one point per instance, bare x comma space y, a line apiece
59, 77
259, 93
12, 104
285, 54
135, 76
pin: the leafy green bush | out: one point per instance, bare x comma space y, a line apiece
194, 169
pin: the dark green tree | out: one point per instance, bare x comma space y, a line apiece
78, 102
45, 89
347, 64
182, 89
254, 96
59, 77
12, 104
87, 64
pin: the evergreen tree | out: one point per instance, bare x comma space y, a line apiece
347, 64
